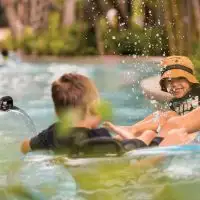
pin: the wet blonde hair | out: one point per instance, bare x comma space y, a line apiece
74, 91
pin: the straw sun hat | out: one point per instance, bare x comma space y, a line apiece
177, 66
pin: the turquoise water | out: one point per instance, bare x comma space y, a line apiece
44, 176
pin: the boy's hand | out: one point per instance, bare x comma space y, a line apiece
122, 132
25, 146
108, 125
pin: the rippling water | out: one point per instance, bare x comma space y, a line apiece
44, 176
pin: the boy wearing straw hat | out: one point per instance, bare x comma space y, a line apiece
178, 79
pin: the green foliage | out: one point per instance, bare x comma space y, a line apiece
67, 122
196, 59
79, 39
71, 117
60, 2
104, 109
135, 41
154, 42
10, 43
121, 43
56, 40
28, 41
53, 24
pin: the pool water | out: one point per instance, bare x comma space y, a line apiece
44, 176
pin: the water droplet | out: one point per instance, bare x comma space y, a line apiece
122, 24
152, 97
134, 56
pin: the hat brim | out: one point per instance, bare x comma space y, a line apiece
176, 73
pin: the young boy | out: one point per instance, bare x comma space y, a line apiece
74, 96
177, 78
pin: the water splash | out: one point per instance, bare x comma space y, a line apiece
29, 122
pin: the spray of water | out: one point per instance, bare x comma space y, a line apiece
29, 122
6, 105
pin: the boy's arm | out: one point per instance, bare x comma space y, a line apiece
151, 123
128, 132
42, 141
129, 128
136, 130
140, 127
190, 122
31, 144
133, 132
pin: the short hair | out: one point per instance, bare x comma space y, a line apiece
73, 90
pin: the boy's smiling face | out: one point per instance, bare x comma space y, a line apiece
178, 87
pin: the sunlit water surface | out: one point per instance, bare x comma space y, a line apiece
43, 176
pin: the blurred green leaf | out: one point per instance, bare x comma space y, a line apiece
104, 109
64, 126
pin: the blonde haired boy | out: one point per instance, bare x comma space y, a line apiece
75, 95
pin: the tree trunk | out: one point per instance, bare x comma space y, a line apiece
178, 25
196, 9
20, 10
126, 8
14, 22
184, 25
123, 22
168, 25
92, 12
69, 12
99, 39
189, 27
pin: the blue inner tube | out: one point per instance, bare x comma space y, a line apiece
105, 146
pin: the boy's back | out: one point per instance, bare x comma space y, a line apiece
74, 97
50, 139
